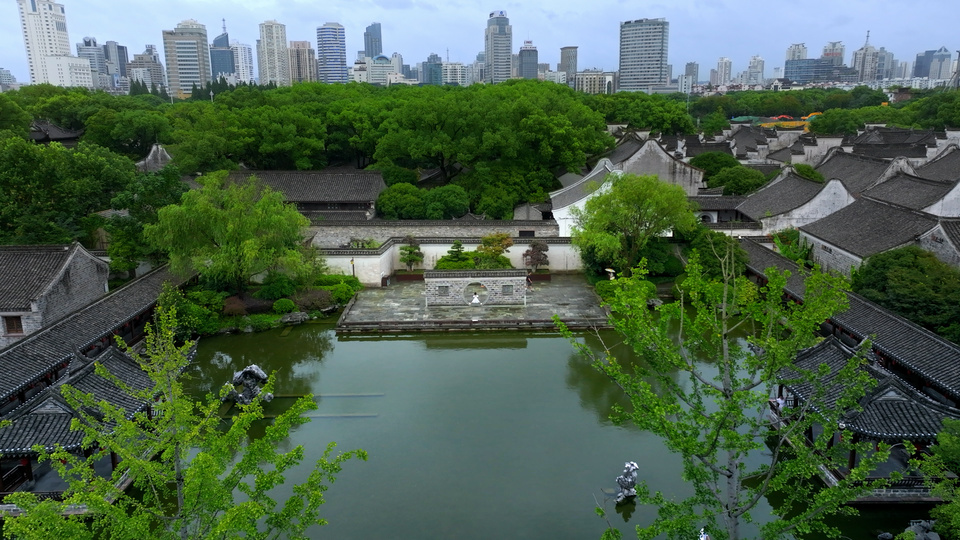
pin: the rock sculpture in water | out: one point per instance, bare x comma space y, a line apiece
251, 379
627, 482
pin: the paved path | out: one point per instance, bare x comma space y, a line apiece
402, 306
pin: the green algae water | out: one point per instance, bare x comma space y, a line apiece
470, 436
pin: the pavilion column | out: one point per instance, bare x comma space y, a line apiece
114, 461
852, 461
28, 467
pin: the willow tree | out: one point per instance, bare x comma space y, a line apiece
228, 232
707, 397
617, 222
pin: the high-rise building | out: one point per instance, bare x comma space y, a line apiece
187, 54
273, 60
797, 51
432, 72
755, 70
222, 61
865, 61
331, 53
6, 78
454, 73
692, 69
934, 64
498, 47
147, 68
303, 62
528, 59
724, 71
242, 61
886, 65
44, 26
117, 58
568, 63
397, 60
834, 52
643, 54
372, 41
98, 62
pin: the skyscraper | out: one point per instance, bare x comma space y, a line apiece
303, 62
834, 51
933, 64
44, 26
643, 54
146, 68
865, 61
568, 64
242, 61
372, 41
724, 70
331, 53
98, 61
755, 70
187, 55
498, 47
528, 59
433, 70
273, 59
692, 69
116, 55
797, 51
222, 62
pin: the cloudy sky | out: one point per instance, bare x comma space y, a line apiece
700, 30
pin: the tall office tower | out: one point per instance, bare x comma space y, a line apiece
692, 69
714, 78
643, 54
865, 61
147, 68
937, 64
222, 61
797, 51
331, 53
116, 55
7, 78
273, 59
187, 55
886, 65
724, 70
755, 70
372, 41
397, 60
432, 72
834, 51
242, 61
527, 61
568, 64
44, 26
498, 47
98, 61
303, 62
904, 70
478, 69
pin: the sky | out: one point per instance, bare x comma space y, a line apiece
700, 30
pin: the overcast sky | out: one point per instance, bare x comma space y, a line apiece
700, 30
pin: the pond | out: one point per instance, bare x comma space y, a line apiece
496, 434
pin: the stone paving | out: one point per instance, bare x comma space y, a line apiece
402, 305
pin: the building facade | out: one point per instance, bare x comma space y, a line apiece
643, 54
303, 62
44, 27
116, 55
724, 71
568, 64
372, 41
243, 62
222, 61
498, 47
797, 51
147, 68
331, 53
596, 82
187, 55
273, 60
454, 73
94, 54
755, 70
834, 52
528, 60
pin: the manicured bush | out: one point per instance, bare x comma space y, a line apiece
443, 263
311, 300
233, 306
284, 305
262, 322
328, 280
607, 289
341, 293
276, 286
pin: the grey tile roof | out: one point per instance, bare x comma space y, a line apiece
627, 147
857, 172
893, 135
41, 131
28, 271
774, 199
951, 227
868, 226
27, 360
157, 159
910, 345
320, 186
694, 150
47, 423
723, 202
121, 366
890, 151
945, 167
892, 411
587, 185
910, 191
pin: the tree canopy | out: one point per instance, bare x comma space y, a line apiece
229, 232
626, 213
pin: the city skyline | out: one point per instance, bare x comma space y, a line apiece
699, 32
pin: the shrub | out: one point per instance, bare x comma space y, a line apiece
260, 323
284, 305
234, 307
444, 263
211, 300
276, 286
607, 289
673, 267
311, 300
328, 280
341, 292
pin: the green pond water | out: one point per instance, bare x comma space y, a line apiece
470, 436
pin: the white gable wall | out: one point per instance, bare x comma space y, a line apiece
833, 197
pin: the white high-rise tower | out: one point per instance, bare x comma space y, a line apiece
498, 47
272, 56
44, 25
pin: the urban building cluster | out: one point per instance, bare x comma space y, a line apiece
190, 59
